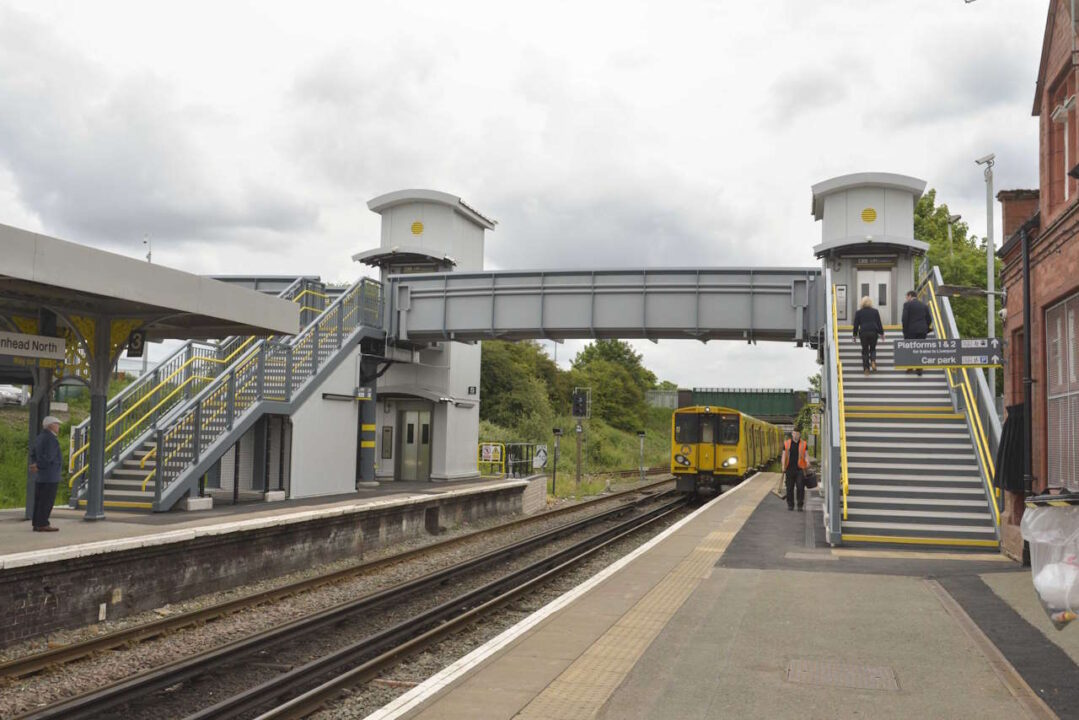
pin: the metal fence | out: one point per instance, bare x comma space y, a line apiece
662, 398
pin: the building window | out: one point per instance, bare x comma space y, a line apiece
1062, 392
1060, 152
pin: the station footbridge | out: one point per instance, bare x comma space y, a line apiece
381, 381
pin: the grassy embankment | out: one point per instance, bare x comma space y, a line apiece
604, 449
15, 443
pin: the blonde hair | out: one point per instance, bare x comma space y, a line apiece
866, 302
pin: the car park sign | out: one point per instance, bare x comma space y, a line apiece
958, 353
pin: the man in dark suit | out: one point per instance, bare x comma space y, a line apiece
917, 322
45, 460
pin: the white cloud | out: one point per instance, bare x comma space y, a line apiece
246, 137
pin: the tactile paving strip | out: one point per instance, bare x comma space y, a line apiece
583, 688
858, 677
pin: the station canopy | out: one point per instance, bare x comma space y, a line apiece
74, 280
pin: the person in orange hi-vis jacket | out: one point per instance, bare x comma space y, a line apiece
794, 465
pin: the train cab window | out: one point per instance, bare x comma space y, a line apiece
728, 430
708, 429
686, 428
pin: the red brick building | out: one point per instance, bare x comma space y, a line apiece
1051, 217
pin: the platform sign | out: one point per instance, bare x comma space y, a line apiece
39, 347
539, 460
962, 352
490, 453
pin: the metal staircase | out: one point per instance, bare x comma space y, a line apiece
154, 399
913, 472
908, 459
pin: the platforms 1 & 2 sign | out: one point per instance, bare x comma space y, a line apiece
963, 352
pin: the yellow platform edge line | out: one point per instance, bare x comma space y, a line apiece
954, 542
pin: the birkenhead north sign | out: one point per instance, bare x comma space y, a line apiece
31, 346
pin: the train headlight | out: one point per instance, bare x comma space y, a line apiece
731, 461
681, 460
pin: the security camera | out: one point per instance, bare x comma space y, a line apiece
986, 159
1003, 312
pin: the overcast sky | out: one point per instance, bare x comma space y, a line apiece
246, 137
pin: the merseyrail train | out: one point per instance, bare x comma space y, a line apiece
716, 446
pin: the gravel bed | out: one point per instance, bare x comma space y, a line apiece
225, 681
53, 685
361, 701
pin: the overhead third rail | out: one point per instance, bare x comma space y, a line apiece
784, 304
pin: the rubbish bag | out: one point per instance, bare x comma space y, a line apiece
1053, 534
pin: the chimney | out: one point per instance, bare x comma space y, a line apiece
1017, 206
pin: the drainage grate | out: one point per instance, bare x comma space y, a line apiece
860, 677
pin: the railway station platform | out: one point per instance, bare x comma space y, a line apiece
742, 611
136, 561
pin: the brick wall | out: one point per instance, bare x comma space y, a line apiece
535, 496
1017, 206
1057, 83
38, 599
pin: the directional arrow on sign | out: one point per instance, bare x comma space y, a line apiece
994, 360
994, 343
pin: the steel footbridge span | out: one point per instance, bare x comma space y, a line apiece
779, 304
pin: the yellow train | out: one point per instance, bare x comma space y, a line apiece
715, 446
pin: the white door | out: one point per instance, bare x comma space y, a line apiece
877, 285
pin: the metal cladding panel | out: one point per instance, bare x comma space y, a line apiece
777, 304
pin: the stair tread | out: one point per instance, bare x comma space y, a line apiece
926, 527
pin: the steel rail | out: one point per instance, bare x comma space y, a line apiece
93, 703
415, 633
30, 664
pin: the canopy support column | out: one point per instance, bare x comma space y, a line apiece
100, 371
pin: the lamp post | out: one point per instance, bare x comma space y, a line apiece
640, 435
990, 259
952, 220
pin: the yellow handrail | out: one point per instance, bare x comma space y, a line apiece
845, 482
157, 387
110, 446
981, 443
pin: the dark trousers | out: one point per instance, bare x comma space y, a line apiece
869, 348
796, 479
915, 336
44, 497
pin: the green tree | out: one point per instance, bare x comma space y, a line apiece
666, 385
517, 382
620, 353
804, 421
617, 398
961, 263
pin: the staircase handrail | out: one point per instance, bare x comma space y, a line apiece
977, 405
845, 482
187, 359
298, 358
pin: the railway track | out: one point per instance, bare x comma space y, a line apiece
300, 685
30, 664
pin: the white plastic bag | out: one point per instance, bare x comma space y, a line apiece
1053, 534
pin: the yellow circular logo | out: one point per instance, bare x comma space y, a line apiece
417, 227
869, 215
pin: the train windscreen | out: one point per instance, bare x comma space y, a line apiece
686, 428
728, 430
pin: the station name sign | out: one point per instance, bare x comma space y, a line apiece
32, 346
963, 352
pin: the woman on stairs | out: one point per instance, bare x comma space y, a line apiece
868, 329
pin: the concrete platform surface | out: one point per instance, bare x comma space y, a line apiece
741, 612
124, 530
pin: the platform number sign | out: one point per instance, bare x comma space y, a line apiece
136, 343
